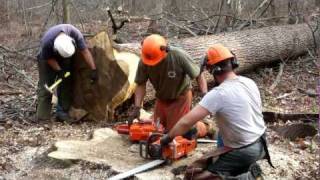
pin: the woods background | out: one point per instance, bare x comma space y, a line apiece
288, 86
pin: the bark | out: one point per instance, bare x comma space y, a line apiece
294, 131
116, 72
66, 11
253, 48
271, 117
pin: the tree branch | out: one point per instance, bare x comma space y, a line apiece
16, 52
278, 78
310, 93
181, 27
219, 17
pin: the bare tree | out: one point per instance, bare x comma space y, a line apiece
66, 11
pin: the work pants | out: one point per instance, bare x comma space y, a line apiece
170, 111
64, 91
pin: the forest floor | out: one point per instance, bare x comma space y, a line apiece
24, 146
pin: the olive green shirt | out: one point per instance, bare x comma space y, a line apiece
170, 77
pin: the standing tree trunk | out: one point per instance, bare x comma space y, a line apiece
66, 11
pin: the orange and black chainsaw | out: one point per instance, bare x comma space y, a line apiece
139, 131
152, 149
178, 148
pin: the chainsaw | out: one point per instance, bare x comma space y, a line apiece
178, 148
151, 149
139, 131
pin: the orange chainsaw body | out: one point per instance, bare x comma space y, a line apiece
139, 131
178, 148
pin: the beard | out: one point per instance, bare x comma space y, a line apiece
216, 83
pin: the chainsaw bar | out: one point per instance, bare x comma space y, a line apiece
138, 169
206, 141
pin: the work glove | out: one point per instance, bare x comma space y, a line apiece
61, 74
93, 76
165, 140
134, 113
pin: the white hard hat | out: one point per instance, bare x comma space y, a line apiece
64, 44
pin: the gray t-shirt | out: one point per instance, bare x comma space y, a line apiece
237, 105
47, 41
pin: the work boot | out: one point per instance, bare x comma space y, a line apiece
254, 173
38, 120
64, 117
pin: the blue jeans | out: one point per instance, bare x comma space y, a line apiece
237, 161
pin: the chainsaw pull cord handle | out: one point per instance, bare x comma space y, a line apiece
141, 144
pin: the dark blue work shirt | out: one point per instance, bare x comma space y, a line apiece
47, 41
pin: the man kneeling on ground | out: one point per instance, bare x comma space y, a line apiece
237, 104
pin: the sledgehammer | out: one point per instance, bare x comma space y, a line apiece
55, 84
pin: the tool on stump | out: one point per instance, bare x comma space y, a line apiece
151, 149
178, 148
139, 131
55, 84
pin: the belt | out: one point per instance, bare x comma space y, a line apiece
265, 146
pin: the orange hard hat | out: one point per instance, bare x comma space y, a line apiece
153, 49
218, 53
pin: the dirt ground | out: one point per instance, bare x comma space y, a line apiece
24, 146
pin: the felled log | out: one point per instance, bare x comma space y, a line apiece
294, 131
117, 68
253, 47
271, 117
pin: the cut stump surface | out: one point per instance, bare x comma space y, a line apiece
116, 151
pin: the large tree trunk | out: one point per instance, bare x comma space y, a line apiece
117, 70
252, 47
116, 73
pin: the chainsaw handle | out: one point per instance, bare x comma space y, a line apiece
143, 148
153, 137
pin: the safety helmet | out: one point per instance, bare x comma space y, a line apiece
64, 45
154, 49
217, 53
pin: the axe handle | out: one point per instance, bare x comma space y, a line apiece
55, 84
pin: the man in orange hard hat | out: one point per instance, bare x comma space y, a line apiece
237, 104
206, 64
170, 71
